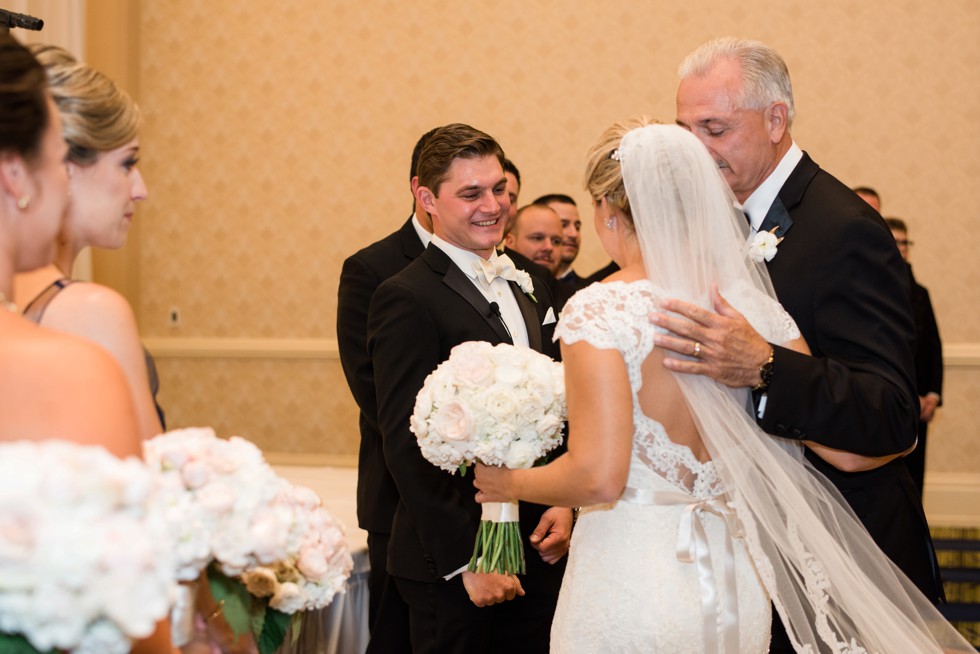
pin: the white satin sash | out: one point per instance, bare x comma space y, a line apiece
719, 607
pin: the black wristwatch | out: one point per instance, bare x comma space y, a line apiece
765, 373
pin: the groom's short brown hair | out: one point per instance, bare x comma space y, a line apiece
451, 142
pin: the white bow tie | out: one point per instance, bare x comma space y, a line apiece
501, 267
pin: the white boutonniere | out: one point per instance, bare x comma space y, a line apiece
524, 281
762, 246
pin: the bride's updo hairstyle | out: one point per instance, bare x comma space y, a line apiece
97, 116
603, 173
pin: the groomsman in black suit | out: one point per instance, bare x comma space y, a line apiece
377, 495
459, 290
571, 228
839, 275
533, 240
513, 177
928, 356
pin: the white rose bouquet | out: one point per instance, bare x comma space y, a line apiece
270, 548
499, 405
86, 561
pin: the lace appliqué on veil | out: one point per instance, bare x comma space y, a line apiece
812, 574
615, 316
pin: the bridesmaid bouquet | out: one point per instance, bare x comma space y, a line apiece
269, 548
499, 405
86, 559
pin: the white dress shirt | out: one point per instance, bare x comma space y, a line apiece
757, 205
424, 235
498, 290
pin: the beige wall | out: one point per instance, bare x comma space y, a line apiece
277, 142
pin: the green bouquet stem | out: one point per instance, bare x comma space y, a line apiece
499, 547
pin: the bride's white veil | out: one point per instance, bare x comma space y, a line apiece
834, 588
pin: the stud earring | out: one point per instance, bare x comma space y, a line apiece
24, 202
610, 222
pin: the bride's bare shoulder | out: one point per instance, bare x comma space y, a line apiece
58, 386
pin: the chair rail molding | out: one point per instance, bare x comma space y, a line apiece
243, 348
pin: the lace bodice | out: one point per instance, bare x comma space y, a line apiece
614, 315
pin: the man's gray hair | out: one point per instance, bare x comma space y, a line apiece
764, 73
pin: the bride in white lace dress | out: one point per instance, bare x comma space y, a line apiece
692, 519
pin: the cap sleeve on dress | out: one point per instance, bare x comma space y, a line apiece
590, 315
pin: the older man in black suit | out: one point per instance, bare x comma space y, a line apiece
443, 298
839, 275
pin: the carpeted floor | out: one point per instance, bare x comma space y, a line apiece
958, 551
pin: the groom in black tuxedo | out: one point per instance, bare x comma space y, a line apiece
442, 299
839, 275
377, 496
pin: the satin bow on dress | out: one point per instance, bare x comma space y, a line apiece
719, 610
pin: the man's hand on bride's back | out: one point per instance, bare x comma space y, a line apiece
487, 588
720, 344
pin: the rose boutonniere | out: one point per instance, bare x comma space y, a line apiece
762, 246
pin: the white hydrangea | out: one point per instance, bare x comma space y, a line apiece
497, 404
86, 559
228, 506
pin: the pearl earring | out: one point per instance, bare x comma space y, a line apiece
24, 202
610, 222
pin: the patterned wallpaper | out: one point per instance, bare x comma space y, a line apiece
277, 142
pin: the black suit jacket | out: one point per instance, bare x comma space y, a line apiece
416, 318
928, 346
360, 277
840, 276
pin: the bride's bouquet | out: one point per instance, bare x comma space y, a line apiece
269, 548
499, 405
86, 560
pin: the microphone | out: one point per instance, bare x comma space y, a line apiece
10, 19
495, 311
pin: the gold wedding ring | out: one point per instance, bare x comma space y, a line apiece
697, 350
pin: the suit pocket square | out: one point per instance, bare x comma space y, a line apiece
549, 317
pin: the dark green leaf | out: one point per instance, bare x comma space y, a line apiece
17, 644
273, 631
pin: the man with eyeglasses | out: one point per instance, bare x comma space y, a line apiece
928, 353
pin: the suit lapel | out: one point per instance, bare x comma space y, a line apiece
530, 314
790, 195
463, 286
778, 218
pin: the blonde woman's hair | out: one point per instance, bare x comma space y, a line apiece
603, 173
97, 115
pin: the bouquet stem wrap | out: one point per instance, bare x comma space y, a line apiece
499, 547
182, 628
